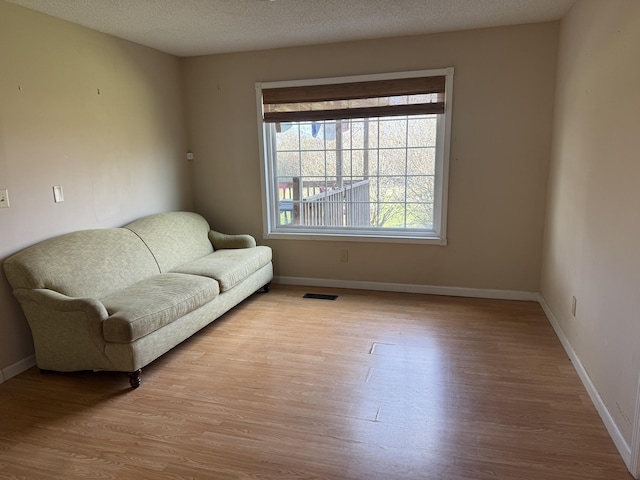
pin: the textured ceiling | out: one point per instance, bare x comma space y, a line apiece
200, 27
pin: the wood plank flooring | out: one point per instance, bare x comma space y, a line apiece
369, 386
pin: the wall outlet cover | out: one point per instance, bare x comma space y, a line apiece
58, 195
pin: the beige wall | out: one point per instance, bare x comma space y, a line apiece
118, 155
592, 234
501, 134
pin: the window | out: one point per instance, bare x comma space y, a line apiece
361, 157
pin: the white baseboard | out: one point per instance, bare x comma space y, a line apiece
634, 461
17, 368
410, 288
609, 423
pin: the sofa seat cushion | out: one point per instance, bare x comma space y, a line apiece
154, 302
229, 267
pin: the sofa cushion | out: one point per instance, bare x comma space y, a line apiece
229, 267
154, 302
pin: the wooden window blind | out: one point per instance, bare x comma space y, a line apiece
379, 98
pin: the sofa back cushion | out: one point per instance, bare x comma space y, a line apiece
174, 238
87, 263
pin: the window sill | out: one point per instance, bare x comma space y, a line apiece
351, 237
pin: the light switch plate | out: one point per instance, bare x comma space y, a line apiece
57, 194
4, 198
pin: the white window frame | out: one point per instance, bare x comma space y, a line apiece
269, 188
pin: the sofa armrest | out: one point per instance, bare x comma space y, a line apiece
67, 332
52, 300
221, 240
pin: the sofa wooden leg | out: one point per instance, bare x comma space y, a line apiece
134, 378
266, 288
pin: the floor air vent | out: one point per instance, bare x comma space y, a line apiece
320, 296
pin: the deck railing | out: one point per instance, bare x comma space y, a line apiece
310, 203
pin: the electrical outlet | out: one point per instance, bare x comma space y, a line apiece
4, 198
344, 255
574, 304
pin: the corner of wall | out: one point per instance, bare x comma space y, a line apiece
17, 368
614, 432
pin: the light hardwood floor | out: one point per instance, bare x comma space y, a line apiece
369, 386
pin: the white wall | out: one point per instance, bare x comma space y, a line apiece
118, 154
592, 235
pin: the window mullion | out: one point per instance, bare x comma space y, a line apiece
406, 166
325, 177
298, 208
379, 176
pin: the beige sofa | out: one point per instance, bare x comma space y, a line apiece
116, 299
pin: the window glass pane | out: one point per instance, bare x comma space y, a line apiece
330, 163
288, 163
312, 162
393, 162
354, 136
357, 164
374, 190
421, 131
287, 135
285, 188
419, 215
374, 131
392, 189
311, 137
347, 163
313, 186
327, 132
393, 132
391, 215
421, 161
420, 189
